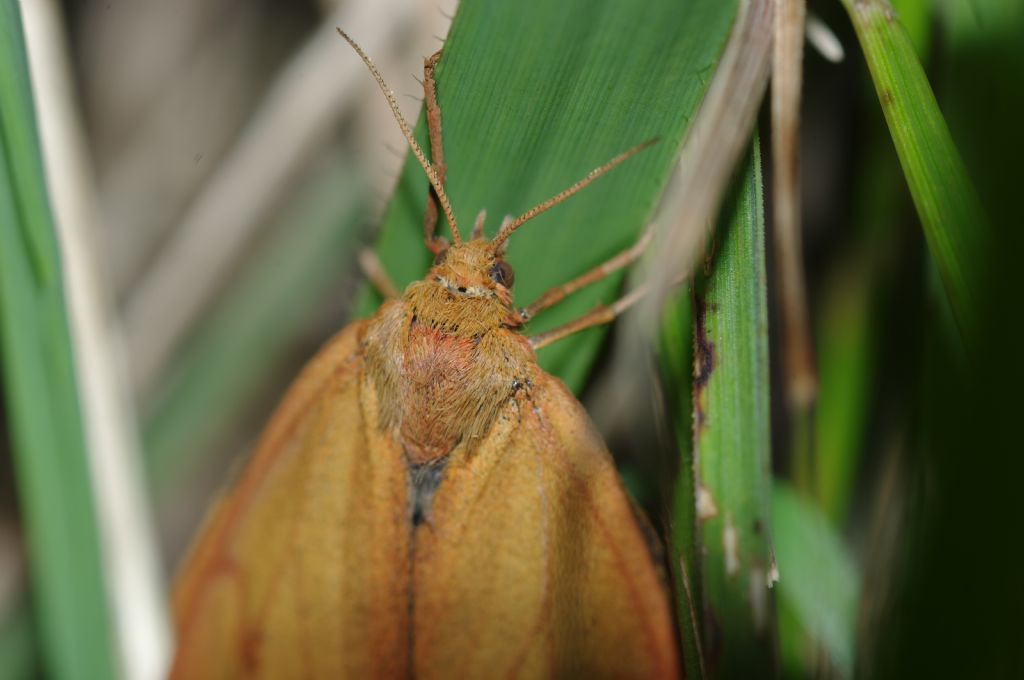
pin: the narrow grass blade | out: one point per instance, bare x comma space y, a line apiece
954, 225
676, 362
847, 346
132, 566
955, 612
981, 70
732, 437
852, 300
41, 395
531, 102
918, 18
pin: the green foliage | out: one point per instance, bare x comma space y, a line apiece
953, 597
675, 355
818, 582
732, 442
531, 102
40, 392
954, 223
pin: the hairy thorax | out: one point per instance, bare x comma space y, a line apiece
444, 365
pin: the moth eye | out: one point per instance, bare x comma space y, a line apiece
441, 255
502, 273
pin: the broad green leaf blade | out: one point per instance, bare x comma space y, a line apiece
40, 392
818, 580
732, 438
531, 102
954, 225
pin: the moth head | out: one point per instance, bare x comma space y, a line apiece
474, 269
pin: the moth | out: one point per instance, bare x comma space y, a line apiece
427, 501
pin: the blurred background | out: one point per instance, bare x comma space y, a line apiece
223, 135
226, 161
242, 121
236, 160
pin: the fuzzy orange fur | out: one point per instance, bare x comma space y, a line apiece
530, 562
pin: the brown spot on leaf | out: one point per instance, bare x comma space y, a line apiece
703, 358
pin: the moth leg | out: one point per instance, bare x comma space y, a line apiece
555, 295
434, 243
602, 315
375, 273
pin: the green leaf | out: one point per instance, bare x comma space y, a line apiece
982, 62
40, 392
954, 225
732, 445
818, 580
676, 361
19, 655
531, 102
918, 18
850, 307
949, 603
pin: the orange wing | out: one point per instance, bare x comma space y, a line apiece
533, 563
304, 568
